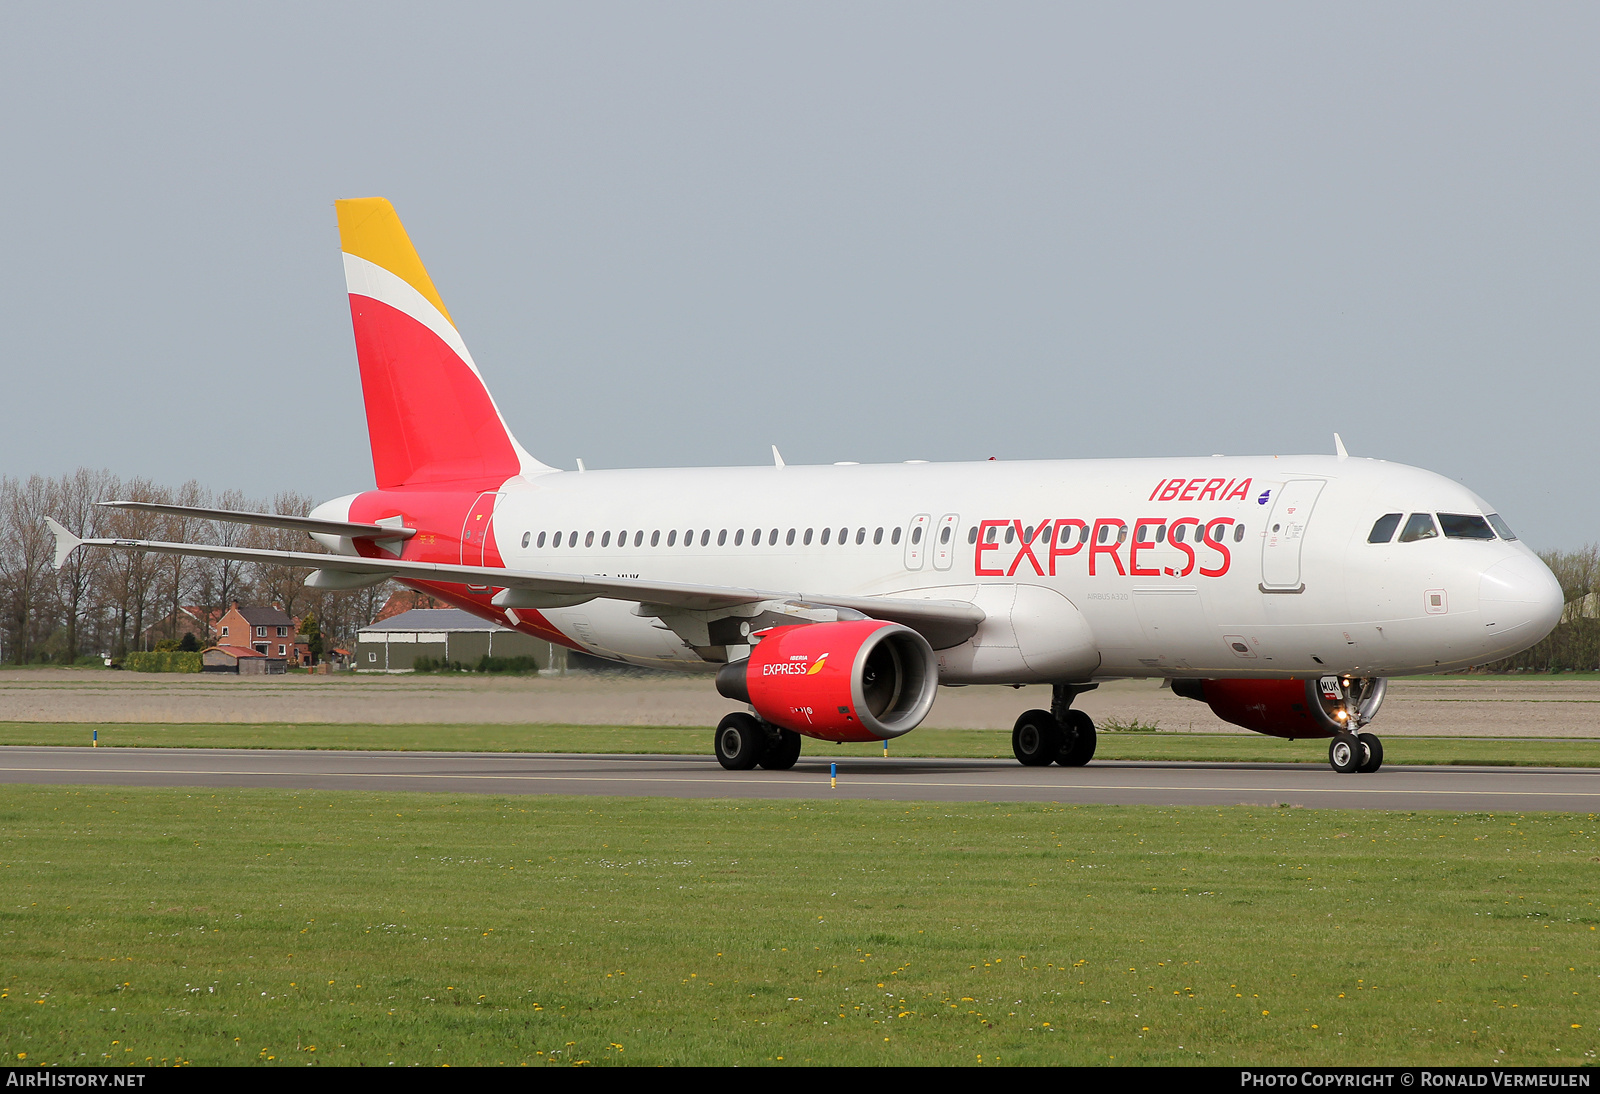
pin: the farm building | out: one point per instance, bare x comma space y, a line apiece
242, 660
443, 634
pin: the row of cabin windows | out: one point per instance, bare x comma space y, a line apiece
556, 539
1455, 526
1147, 534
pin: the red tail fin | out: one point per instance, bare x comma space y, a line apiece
429, 417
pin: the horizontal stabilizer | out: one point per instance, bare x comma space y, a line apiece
352, 529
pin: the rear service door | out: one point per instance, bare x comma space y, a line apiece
477, 529
1285, 533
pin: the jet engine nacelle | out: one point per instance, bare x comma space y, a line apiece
855, 680
1323, 706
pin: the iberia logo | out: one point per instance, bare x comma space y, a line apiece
795, 666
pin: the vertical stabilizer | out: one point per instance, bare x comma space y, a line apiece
429, 416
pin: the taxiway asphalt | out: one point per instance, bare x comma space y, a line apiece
1479, 789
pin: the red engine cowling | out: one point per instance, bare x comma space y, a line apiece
855, 680
1317, 707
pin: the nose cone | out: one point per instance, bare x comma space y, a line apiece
1520, 600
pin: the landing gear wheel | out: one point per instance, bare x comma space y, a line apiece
740, 742
782, 753
1345, 754
1079, 739
1372, 751
1036, 738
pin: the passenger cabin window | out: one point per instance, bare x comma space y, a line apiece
894, 536
916, 534
705, 536
541, 541
788, 540
655, 538
1501, 526
1179, 532
588, 539
861, 536
722, 538
807, 540
738, 537
826, 532
772, 538
844, 535
638, 538
572, 539
1238, 534
1011, 532
1419, 526
972, 534
555, 540
877, 536
1383, 528
1465, 526
605, 539
672, 539
526, 536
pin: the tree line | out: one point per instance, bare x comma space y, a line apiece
113, 602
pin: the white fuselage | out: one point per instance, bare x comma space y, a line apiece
1285, 583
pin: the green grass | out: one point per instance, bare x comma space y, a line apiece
961, 743
252, 926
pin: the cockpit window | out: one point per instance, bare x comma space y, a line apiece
1419, 526
1383, 529
1501, 526
1465, 526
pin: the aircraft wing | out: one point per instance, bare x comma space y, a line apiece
944, 623
269, 520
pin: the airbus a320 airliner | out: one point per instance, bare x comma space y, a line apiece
832, 601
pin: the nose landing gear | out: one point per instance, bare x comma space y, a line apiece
1351, 704
1355, 752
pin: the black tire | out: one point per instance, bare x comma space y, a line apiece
740, 742
1372, 753
1036, 738
782, 755
1078, 740
1345, 754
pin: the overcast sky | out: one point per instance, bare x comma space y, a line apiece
678, 233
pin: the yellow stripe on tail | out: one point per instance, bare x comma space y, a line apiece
369, 228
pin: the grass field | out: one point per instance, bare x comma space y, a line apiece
963, 743
160, 926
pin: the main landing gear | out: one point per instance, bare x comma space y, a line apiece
1059, 735
1350, 753
743, 741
